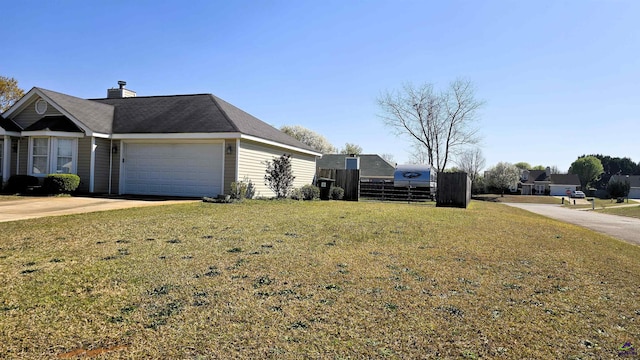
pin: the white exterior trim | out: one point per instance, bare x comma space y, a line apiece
5, 164
124, 148
52, 155
173, 136
281, 145
3, 132
92, 164
36, 92
48, 133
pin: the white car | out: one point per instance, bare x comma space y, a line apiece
577, 194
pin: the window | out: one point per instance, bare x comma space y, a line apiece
64, 158
52, 155
1, 154
40, 156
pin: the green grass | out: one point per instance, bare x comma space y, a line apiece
317, 279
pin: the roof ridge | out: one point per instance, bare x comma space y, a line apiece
151, 96
214, 99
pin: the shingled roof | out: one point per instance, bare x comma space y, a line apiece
634, 180
565, 179
371, 165
94, 115
198, 113
536, 175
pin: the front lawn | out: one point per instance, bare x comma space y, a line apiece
630, 211
529, 199
315, 280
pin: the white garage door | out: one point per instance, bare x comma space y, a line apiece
173, 169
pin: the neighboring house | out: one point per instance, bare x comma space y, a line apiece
534, 182
634, 184
372, 167
178, 145
542, 182
563, 184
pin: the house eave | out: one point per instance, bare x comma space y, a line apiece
273, 143
20, 105
53, 133
9, 133
177, 136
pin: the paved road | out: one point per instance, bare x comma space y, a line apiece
620, 227
29, 208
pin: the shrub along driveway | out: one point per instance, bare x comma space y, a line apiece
29, 208
620, 227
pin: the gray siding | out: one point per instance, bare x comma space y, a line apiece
29, 115
115, 171
84, 163
14, 157
23, 150
102, 156
230, 165
252, 164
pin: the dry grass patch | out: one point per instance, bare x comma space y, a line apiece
314, 279
630, 211
528, 199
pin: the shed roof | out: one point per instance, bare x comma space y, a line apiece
371, 165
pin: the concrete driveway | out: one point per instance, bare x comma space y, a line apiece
620, 227
29, 208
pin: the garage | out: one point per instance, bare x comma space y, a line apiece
174, 169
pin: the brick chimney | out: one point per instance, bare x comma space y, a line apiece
120, 92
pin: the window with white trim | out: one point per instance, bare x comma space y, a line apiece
64, 156
52, 155
39, 156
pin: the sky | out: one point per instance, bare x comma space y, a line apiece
558, 78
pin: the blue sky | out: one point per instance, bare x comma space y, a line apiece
559, 78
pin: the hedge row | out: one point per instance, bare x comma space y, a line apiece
52, 184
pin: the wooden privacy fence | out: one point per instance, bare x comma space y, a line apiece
454, 189
349, 180
385, 191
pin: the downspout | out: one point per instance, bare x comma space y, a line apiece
237, 160
18, 157
92, 165
110, 163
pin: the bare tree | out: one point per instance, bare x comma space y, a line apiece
472, 162
389, 157
442, 123
418, 154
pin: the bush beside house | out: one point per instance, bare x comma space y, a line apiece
61, 183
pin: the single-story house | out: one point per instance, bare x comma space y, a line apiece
372, 167
542, 182
177, 145
634, 184
563, 184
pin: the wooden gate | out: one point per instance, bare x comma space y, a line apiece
349, 180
